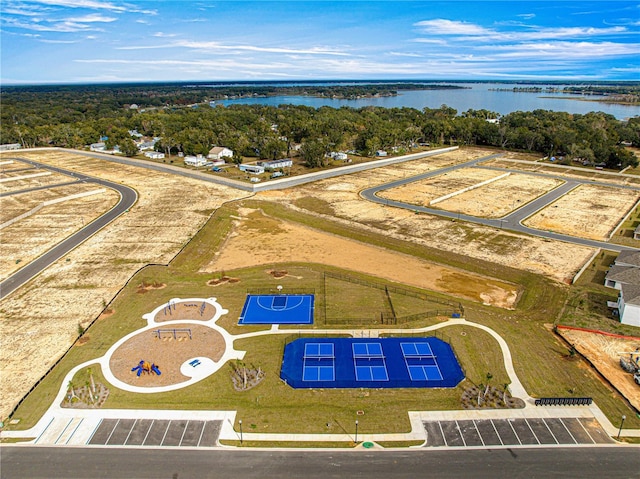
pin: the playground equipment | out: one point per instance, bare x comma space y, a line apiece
632, 364
146, 367
175, 333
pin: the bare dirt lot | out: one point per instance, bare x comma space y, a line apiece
492, 200
339, 199
40, 320
50, 224
247, 245
604, 352
167, 353
587, 211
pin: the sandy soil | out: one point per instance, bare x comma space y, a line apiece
40, 321
493, 200
247, 245
587, 211
604, 352
48, 226
556, 260
166, 353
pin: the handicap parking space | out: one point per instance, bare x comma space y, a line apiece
156, 432
514, 432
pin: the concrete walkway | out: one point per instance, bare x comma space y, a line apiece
71, 426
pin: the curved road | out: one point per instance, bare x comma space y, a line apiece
512, 221
128, 198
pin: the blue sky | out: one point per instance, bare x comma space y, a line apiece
89, 41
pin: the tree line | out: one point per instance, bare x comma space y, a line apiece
76, 117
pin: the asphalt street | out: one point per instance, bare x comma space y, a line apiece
72, 463
128, 198
511, 222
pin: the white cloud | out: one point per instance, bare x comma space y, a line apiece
442, 26
94, 18
526, 16
565, 51
164, 35
92, 4
217, 46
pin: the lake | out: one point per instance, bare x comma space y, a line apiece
476, 96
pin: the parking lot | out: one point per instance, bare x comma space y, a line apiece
514, 432
156, 432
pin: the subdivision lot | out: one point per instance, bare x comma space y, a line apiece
156, 432
338, 199
588, 211
514, 432
499, 196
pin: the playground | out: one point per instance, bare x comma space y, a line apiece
168, 348
194, 310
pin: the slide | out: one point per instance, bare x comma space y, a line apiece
155, 369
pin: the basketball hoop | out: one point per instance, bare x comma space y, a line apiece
279, 288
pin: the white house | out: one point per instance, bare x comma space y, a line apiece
10, 146
219, 152
253, 169
275, 164
629, 305
199, 160
154, 155
100, 146
338, 155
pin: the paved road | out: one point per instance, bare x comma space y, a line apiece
128, 197
511, 222
69, 463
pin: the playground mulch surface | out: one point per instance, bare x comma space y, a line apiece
167, 353
186, 310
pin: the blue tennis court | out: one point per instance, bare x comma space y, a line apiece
370, 363
277, 309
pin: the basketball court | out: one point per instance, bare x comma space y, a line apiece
277, 309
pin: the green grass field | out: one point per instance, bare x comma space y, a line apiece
540, 358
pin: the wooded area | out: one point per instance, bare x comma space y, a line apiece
183, 120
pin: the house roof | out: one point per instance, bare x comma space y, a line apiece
216, 150
624, 274
631, 294
630, 258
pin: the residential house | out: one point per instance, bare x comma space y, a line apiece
276, 164
624, 275
253, 169
154, 155
196, 161
219, 152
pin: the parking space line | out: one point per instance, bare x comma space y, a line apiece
569, 431
130, 431
480, 435
461, 434
65, 428
74, 431
184, 431
585, 430
532, 431
204, 426
514, 432
94, 431
497, 433
550, 431
112, 431
148, 431
165, 433
442, 432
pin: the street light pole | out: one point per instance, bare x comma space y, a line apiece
621, 423
240, 422
356, 431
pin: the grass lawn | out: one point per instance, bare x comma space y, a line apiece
540, 358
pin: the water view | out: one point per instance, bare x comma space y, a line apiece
476, 96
